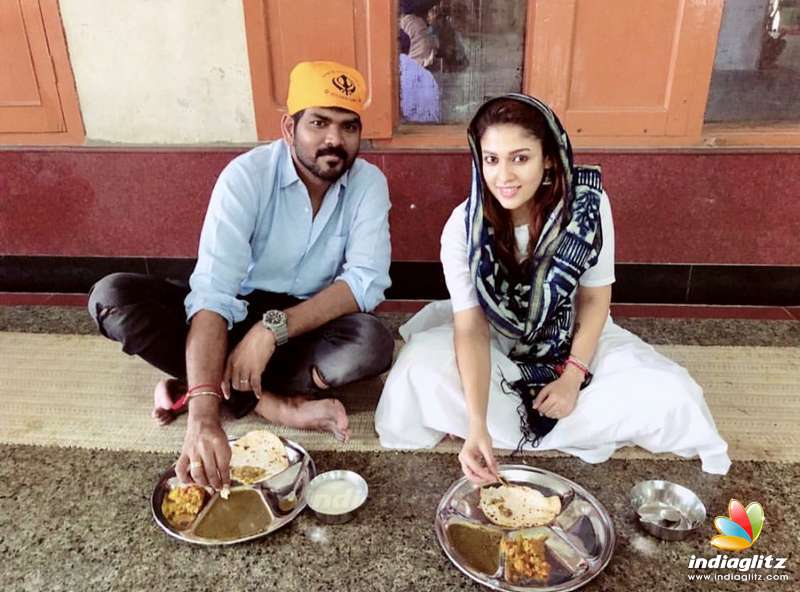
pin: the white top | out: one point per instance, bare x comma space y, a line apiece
455, 262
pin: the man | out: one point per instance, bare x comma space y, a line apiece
294, 251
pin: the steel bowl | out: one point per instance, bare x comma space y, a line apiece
667, 510
360, 491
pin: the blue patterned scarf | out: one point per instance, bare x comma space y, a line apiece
538, 313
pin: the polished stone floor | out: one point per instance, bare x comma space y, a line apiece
80, 520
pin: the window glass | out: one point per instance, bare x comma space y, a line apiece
454, 54
757, 67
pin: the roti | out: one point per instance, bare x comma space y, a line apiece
257, 456
515, 506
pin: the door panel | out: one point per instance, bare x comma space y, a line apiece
29, 100
625, 67
281, 33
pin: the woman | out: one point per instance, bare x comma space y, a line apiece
525, 354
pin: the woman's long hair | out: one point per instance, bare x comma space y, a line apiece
509, 111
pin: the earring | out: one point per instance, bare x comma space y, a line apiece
548, 177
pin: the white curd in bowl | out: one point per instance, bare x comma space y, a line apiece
336, 496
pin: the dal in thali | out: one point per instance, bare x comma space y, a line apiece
516, 506
478, 546
243, 514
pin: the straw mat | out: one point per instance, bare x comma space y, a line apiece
78, 390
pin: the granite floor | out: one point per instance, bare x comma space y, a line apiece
73, 519
80, 520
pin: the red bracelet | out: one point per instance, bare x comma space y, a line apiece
178, 404
203, 386
184, 399
578, 364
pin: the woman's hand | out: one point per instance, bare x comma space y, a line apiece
476, 457
557, 399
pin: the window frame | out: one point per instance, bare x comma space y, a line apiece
408, 136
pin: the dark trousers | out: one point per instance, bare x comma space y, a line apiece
146, 315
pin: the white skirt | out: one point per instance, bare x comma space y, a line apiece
637, 397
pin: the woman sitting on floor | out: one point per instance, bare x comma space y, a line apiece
525, 354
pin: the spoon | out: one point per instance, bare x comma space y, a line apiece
660, 514
286, 494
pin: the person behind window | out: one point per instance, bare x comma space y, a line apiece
450, 48
413, 14
419, 92
525, 354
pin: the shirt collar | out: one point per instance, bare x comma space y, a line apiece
289, 172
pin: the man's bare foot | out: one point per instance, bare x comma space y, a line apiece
324, 415
167, 391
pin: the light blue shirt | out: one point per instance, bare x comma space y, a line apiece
259, 234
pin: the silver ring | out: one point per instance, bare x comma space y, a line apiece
243, 380
195, 464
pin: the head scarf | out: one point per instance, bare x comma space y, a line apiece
536, 311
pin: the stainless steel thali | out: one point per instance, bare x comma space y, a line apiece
579, 541
298, 458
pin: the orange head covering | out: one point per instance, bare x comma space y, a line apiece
326, 84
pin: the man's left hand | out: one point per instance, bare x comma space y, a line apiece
247, 361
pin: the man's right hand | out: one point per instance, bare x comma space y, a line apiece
206, 454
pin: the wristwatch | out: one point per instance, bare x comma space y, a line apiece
275, 321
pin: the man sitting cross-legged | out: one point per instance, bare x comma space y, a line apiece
293, 253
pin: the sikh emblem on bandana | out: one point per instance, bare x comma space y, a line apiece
344, 84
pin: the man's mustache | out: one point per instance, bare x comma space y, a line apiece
332, 151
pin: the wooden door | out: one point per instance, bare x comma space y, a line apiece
358, 33
616, 68
38, 103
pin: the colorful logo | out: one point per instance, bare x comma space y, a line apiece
741, 529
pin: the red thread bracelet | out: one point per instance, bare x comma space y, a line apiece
178, 405
578, 364
572, 362
184, 399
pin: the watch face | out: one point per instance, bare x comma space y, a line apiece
275, 317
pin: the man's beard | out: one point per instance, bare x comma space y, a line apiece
322, 171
